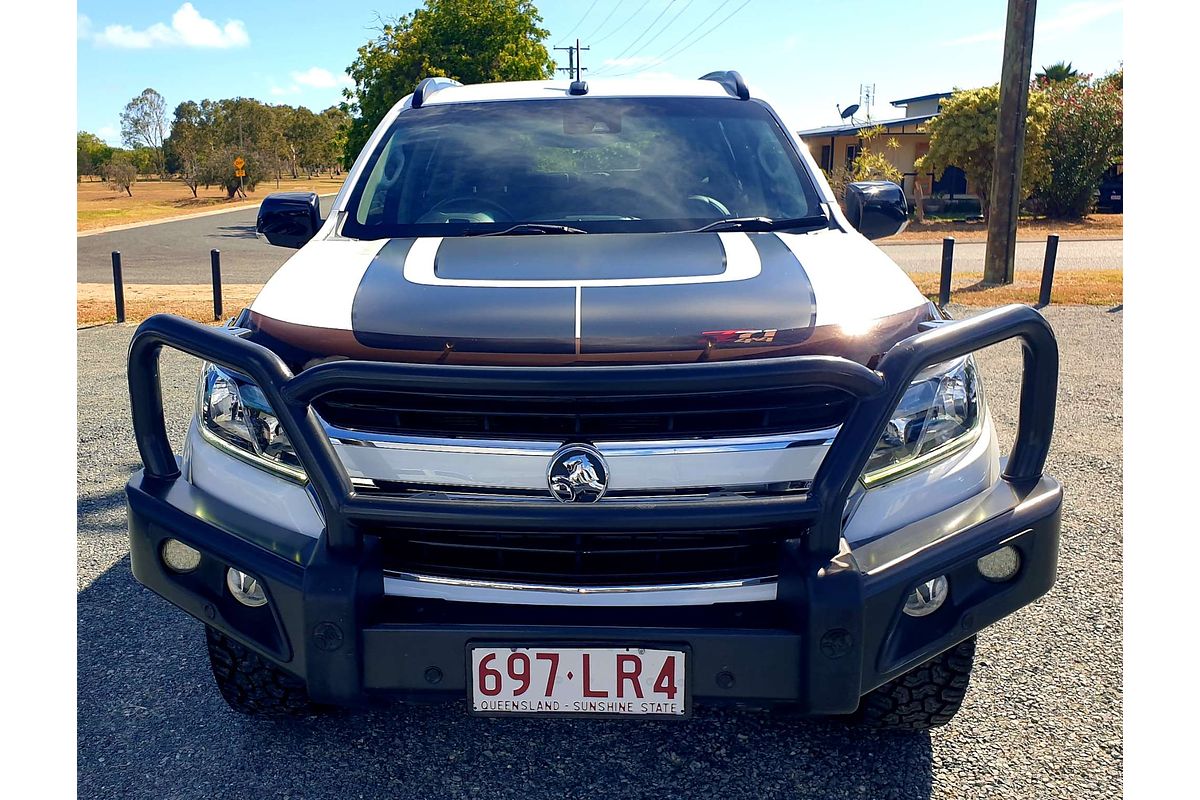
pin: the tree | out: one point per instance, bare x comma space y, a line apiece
471, 41
91, 154
145, 160
869, 164
963, 135
1083, 140
1059, 72
188, 143
120, 173
144, 123
335, 124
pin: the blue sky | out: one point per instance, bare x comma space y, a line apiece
807, 56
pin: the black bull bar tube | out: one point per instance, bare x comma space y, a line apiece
817, 579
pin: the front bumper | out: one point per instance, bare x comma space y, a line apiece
834, 632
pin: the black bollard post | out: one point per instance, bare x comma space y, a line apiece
216, 280
1048, 270
118, 285
947, 268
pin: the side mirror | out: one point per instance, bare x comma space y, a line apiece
876, 208
289, 219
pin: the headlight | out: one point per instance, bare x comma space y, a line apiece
939, 415
235, 415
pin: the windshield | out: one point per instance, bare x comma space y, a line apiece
598, 165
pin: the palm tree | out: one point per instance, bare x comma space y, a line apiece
1062, 71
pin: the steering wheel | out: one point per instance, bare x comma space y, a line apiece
708, 204
470, 205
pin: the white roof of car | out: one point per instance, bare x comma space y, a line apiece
600, 87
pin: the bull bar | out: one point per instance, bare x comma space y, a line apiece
841, 601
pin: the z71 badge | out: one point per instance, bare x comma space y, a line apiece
761, 336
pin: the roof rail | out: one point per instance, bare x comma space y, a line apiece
428, 87
731, 80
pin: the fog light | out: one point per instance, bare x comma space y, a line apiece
179, 556
245, 588
927, 597
1000, 565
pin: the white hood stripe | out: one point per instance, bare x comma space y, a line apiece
741, 263
316, 286
853, 281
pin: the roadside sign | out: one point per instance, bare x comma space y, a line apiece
240, 173
239, 163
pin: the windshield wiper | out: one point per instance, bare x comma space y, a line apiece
527, 228
763, 224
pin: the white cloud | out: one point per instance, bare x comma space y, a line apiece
1070, 19
83, 26
187, 29
1078, 15
311, 78
319, 78
110, 135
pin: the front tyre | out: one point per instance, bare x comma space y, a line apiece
252, 685
925, 697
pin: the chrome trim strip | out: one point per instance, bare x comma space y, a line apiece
653, 447
644, 467
465, 590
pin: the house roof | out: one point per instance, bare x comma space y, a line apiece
905, 101
842, 130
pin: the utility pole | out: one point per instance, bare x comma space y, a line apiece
575, 60
1000, 258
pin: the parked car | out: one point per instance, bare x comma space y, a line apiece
1111, 194
587, 399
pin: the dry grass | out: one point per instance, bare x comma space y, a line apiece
97, 206
1097, 226
95, 304
1102, 287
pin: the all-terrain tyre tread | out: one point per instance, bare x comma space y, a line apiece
925, 697
252, 685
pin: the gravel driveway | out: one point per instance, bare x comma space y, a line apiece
1042, 719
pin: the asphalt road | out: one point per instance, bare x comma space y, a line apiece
178, 252
1042, 718
968, 256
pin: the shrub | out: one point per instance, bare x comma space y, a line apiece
1084, 140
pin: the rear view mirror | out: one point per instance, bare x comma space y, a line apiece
289, 219
876, 208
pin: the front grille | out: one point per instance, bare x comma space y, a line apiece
749, 412
585, 559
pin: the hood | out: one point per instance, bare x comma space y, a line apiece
596, 298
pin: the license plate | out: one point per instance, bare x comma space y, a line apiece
1115, 197
603, 681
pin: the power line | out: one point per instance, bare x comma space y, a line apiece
665, 57
649, 27
604, 22
670, 22
567, 35
700, 24
622, 26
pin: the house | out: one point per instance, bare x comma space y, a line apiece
837, 145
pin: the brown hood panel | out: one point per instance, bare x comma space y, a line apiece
302, 346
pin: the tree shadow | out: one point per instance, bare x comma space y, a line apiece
237, 232
151, 724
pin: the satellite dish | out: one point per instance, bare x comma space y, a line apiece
849, 112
